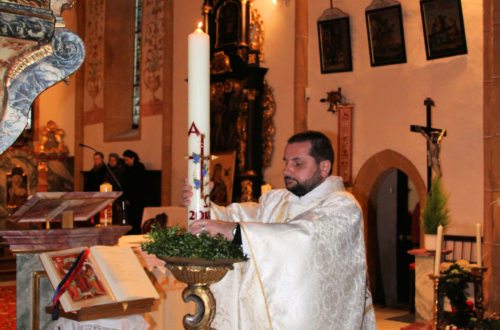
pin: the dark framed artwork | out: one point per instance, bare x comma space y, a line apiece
222, 169
335, 45
443, 26
386, 35
17, 188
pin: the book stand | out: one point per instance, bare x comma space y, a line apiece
32, 292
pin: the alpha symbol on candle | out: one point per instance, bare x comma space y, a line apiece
193, 129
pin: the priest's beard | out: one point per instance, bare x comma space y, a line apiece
302, 188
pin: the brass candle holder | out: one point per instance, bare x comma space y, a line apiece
198, 274
478, 275
438, 302
438, 321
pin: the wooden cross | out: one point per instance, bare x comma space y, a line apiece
433, 137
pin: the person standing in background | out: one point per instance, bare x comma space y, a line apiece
134, 176
116, 166
97, 174
115, 177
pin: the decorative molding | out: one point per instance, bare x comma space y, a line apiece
23, 61
30, 3
51, 142
28, 23
94, 65
257, 33
68, 54
220, 63
268, 105
58, 6
152, 66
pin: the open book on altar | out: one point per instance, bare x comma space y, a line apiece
109, 274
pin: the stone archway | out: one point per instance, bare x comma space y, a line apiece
366, 181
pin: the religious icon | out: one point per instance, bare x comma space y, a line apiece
17, 187
386, 35
444, 31
222, 170
228, 24
334, 41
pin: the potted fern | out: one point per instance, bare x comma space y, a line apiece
435, 213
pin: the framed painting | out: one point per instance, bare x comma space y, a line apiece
222, 170
17, 188
335, 44
443, 26
386, 39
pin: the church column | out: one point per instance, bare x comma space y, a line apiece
301, 65
79, 102
491, 120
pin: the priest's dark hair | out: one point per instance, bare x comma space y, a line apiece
321, 146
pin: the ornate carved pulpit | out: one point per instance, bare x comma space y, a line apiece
242, 104
37, 51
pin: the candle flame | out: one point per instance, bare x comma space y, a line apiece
200, 24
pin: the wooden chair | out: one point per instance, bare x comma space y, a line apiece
461, 247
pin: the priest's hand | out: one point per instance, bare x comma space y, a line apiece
187, 192
213, 227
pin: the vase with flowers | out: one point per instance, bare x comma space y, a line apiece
454, 283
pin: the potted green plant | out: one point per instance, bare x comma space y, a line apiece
435, 213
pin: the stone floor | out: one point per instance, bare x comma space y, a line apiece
393, 319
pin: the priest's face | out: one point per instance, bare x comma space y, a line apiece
301, 172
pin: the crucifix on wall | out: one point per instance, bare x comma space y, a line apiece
433, 136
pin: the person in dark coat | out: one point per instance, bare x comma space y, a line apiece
117, 167
134, 176
97, 174
114, 176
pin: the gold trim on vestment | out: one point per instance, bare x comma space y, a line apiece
258, 276
283, 212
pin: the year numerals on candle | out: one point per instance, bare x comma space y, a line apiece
202, 215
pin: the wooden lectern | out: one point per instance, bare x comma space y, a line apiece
34, 290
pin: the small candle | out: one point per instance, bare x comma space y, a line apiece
106, 215
479, 255
106, 187
439, 242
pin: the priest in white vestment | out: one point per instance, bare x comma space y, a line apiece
307, 262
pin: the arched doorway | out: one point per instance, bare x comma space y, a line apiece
374, 173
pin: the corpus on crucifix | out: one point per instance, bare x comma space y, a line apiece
433, 136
